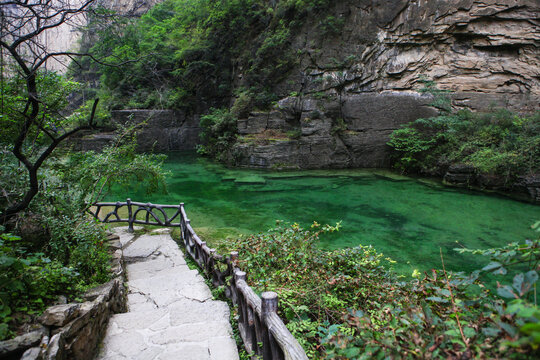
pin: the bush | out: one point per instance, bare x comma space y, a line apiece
495, 143
315, 286
79, 243
438, 315
218, 132
28, 282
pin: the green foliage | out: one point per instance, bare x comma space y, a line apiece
182, 50
294, 134
218, 132
187, 52
57, 249
92, 174
315, 286
79, 244
438, 315
331, 25
338, 126
29, 281
498, 142
453, 315
411, 145
53, 90
243, 104
66, 252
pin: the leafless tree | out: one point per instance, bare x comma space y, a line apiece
23, 25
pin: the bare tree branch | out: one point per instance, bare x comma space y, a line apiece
96, 60
23, 23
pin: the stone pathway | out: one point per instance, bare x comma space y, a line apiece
171, 312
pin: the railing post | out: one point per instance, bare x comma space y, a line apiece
239, 275
180, 217
269, 305
130, 216
234, 258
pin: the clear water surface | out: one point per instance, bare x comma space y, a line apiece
407, 219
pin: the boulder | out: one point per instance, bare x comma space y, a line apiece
59, 315
529, 186
20, 344
461, 175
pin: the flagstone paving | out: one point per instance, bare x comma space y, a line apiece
171, 311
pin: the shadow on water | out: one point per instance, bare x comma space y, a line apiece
407, 219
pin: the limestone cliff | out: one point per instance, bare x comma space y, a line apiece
354, 85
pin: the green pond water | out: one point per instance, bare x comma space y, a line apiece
407, 219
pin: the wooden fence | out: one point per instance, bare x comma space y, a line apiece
262, 330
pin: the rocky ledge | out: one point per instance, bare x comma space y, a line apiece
525, 188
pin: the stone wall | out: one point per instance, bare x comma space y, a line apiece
73, 331
160, 131
164, 130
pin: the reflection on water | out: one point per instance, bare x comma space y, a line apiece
406, 219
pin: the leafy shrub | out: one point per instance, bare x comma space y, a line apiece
79, 244
498, 142
243, 104
439, 315
218, 132
28, 282
451, 315
311, 282
294, 134
338, 126
331, 25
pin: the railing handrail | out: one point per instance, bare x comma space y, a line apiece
262, 330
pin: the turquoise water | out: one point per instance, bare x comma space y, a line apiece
407, 219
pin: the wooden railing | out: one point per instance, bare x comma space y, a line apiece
262, 330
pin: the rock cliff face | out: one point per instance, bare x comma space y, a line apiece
350, 131
161, 131
165, 130
355, 83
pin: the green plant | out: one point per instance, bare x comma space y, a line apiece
218, 132
411, 146
243, 104
331, 25
494, 143
54, 248
28, 282
437, 315
452, 314
294, 134
191, 52
338, 126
